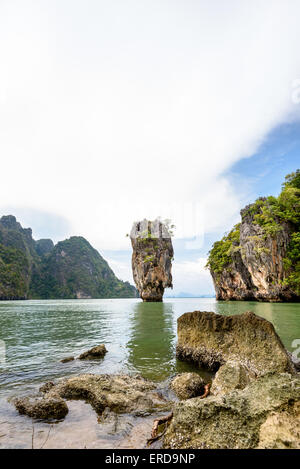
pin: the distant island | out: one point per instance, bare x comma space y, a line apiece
189, 295
70, 269
260, 258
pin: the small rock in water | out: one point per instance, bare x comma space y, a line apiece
67, 359
49, 408
47, 386
187, 385
96, 352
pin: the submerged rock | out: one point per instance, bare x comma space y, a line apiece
47, 408
67, 359
210, 340
119, 393
187, 385
264, 414
151, 259
96, 352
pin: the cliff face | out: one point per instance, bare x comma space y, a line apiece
260, 258
74, 269
38, 269
151, 259
18, 259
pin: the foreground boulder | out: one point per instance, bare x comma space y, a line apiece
265, 414
187, 385
210, 340
119, 393
49, 408
96, 352
151, 259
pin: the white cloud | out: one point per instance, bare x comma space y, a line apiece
121, 269
192, 277
111, 111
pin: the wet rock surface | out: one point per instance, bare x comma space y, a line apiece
48, 408
187, 385
281, 430
119, 393
263, 414
210, 340
230, 376
67, 359
151, 259
96, 352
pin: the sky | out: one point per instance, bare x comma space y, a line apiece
116, 111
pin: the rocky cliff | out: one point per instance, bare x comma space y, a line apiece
74, 269
38, 269
151, 258
18, 259
260, 258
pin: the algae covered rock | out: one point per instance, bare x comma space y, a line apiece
96, 352
236, 420
230, 376
67, 359
187, 385
46, 408
46, 387
151, 258
119, 393
210, 340
281, 430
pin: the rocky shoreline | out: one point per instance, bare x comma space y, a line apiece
252, 402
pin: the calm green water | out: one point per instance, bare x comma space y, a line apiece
140, 337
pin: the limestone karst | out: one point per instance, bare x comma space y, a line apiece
151, 258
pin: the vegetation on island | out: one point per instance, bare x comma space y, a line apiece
272, 214
40, 270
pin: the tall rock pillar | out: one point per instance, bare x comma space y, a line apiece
151, 258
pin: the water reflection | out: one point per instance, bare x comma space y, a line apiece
284, 316
152, 340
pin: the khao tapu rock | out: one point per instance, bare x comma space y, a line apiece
151, 258
210, 340
260, 257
